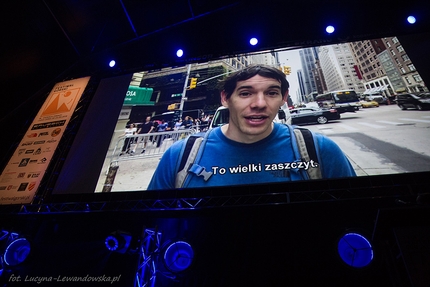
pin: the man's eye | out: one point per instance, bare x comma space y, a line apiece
273, 93
245, 94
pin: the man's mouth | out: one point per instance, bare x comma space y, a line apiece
256, 118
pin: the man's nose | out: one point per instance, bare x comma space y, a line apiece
259, 100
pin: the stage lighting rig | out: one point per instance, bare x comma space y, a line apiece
14, 249
118, 241
355, 250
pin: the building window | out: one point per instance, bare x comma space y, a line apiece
408, 81
400, 49
405, 58
395, 40
417, 78
411, 67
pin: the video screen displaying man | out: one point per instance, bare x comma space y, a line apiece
251, 148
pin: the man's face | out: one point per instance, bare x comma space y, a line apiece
253, 105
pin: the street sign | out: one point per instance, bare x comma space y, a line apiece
137, 96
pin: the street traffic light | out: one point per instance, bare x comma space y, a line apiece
171, 107
287, 70
193, 83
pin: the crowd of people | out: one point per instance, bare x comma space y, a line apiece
151, 126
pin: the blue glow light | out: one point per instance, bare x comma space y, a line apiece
355, 250
178, 256
16, 252
112, 63
411, 20
253, 41
329, 29
111, 243
179, 53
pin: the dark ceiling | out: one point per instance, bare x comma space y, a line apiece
45, 41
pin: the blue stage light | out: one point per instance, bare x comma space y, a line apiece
16, 252
112, 63
112, 243
118, 242
355, 250
14, 248
178, 256
329, 29
253, 41
411, 20
179, 53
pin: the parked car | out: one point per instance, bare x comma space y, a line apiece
415, 101
313, 115
369, 104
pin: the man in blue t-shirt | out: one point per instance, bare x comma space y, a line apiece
251, 148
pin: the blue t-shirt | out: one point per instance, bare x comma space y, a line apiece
269, 160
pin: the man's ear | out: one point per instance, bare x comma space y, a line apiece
285, 97
224, 100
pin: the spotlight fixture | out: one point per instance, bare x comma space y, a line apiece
329, 29
411, 20
179, 53
253, 41
15, 249
178, 256
112, 63
118, 241
355, 250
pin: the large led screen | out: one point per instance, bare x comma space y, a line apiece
365, 102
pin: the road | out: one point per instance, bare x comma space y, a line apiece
382, 140
377, 141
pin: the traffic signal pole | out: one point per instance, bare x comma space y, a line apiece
184, 91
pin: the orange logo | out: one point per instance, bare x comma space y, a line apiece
61, 102
31, 186
55, 132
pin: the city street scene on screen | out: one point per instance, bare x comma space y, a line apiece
366, 96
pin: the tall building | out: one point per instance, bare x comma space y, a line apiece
308, 59
371, 57
386, 67
402, 67
338, 66
267, 58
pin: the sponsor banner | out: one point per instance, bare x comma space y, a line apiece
20, 179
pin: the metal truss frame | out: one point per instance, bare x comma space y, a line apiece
232, 198
149, 250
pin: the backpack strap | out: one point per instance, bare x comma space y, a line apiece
190, 156
306, 145
194, 146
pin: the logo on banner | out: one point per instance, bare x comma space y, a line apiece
55, 132
61, 102
31, 186
23, 186
24, 162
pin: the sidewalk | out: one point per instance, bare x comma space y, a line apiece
134, 173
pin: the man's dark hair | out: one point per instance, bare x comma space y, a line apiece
228, 85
